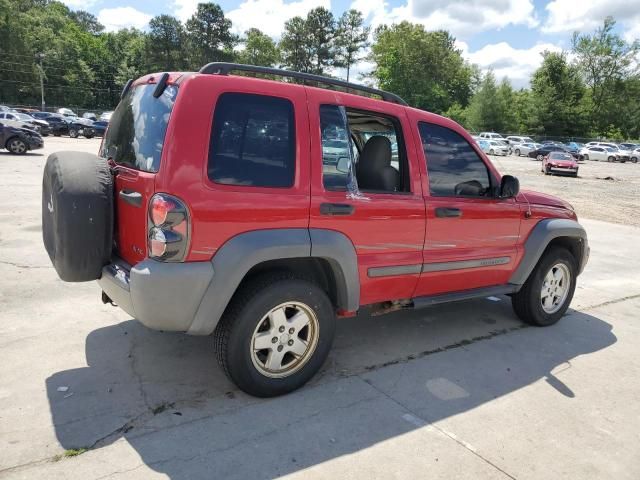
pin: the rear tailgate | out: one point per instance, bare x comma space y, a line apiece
133, 142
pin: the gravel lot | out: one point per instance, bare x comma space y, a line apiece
459, 391
615, 200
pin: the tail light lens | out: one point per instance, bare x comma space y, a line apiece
168, 237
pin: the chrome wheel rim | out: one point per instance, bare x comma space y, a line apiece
555, 288
284, 340
18, 146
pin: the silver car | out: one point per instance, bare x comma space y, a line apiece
498, 148
525, 148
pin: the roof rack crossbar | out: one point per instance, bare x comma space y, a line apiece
224, 68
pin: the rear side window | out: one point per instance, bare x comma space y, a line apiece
252, 141
136, 132
454, 167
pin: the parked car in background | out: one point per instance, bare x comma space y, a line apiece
622, 154
106, 116
546, 149
628, 146
560, 163
498, 148
19, 140
58, 124
635, 155
574, 147
67, 112
4, 108
490, 136
484, 145
525, 148
598, 153
516, 139
506, 144
67, 125
40, 126
99, 127
90, 115
81, 127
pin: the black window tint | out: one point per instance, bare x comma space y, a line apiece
454, 168
252, 141
136, 133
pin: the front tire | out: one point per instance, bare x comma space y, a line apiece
540, 158
275, 334
611, 159
17, 146
585, 157
547, 293
73, 133
517, 152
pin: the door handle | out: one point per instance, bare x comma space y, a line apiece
336, 209
448, 212
131, 197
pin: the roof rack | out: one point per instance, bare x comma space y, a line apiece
224, 68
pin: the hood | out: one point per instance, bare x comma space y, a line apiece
537, 198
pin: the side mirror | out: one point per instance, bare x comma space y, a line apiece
343, 165
509, 186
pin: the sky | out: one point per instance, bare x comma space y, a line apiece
506, 36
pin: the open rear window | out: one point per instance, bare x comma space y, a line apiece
137, 128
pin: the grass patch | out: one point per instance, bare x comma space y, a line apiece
72, 452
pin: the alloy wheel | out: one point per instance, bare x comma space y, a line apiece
555, 288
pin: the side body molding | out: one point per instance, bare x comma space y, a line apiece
543, 233
241, 253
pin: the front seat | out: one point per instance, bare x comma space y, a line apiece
374, 170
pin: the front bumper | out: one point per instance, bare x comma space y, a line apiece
566, 170
34, 143
163, 296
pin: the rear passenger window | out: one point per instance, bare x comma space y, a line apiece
252, 141
455, 169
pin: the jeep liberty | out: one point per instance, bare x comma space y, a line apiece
259, 211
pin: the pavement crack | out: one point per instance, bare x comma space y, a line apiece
610, 302
24, 266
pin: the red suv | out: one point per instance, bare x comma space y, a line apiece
260, 211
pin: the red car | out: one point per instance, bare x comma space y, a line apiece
560, 162
211, 209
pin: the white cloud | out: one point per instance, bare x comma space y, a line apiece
270, 15
463, 18
183, 9
515, 63
571, 15
122, 17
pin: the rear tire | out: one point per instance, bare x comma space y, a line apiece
517, 152
554, 277
611, 159
634, 159
585, 157
262, 311
539, 158
73, 133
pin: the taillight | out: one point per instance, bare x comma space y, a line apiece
168, 237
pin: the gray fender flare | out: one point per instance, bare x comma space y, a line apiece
543, 233
241, 253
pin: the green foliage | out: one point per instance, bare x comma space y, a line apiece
259, 49
351, 38
490, 107
425, 68
166, 43
209, 36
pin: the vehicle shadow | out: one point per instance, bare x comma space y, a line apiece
166, 396
5, 153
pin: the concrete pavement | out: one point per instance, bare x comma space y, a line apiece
454, 391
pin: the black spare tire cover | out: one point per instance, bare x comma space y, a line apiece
77, 214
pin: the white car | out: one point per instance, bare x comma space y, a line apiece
490, 136
525, 148
516, 139
67, 112
635, 155
598, 153
497, 148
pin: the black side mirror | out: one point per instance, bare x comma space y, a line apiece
509, 186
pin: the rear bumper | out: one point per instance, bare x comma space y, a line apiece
163, 296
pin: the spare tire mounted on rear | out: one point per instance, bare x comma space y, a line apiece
77, 214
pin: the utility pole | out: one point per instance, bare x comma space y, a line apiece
40, 56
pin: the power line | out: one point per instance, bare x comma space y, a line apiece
102, 65
51, 87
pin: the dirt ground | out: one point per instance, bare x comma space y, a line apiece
615, 200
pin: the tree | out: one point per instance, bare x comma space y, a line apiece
259, 49
351, 38
605, 61
87, 21
321, 34
209, 35
165, 43
294, 45
557, 90
425, 68
485, 112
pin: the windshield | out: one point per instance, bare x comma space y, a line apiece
137, 127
